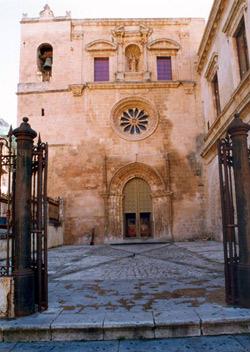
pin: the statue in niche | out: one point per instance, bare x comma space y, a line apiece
133, 54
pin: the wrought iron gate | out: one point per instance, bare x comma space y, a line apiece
9, 193
7, 189
229, 219
39, 223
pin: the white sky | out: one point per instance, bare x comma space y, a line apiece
12, 10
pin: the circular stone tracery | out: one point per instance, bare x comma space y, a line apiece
134, 121
134, 118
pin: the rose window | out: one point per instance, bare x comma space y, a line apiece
134, 121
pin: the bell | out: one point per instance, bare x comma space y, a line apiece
47, 64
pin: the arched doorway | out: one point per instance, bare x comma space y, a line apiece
137, 209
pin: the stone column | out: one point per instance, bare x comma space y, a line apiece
23, 274
119, 35
238, 131
144, 40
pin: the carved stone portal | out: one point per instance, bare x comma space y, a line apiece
161, 201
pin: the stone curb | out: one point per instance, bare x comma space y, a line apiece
52, 331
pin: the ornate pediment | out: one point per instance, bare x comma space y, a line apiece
164, 44
212, 67
132, 32
46, 13
101, 45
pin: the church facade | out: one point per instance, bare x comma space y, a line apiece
119, 102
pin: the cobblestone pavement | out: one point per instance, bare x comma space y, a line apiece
145, 277
233, 343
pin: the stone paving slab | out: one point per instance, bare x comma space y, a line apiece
132, 291
177, 323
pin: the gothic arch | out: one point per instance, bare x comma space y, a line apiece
132, 170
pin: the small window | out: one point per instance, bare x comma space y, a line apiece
216, 93
101, 69
242, 49
45, 60
164, 69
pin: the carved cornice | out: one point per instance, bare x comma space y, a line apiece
76, 89
135, 85
234, 17
212, 67
210, 31
164, 44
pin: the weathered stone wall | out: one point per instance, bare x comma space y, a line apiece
87, 150
6, 297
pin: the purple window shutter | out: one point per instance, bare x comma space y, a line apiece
101, 69
164, 68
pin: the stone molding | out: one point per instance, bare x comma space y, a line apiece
164, 45
141, 104
135, 85
234, 17
40, 88
101, 45
46, 15
210, 31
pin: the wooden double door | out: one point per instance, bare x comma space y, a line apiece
137, 209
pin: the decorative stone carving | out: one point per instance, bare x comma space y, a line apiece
134, 118
234, 17
77, 89
161, 199
119, 33
188, 87
77, 32
133, 54
212, 67
46, 13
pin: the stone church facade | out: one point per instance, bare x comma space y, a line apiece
118, 101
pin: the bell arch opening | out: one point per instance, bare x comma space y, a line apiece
45, 60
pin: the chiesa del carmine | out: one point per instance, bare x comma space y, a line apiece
118, 101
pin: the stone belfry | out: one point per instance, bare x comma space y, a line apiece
118, 102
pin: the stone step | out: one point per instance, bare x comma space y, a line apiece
55, 326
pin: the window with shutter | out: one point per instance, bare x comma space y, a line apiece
164, 69
101, 69
242, 49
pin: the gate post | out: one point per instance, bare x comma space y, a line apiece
23, 274
238, 131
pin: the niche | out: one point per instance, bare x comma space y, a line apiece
45, 61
